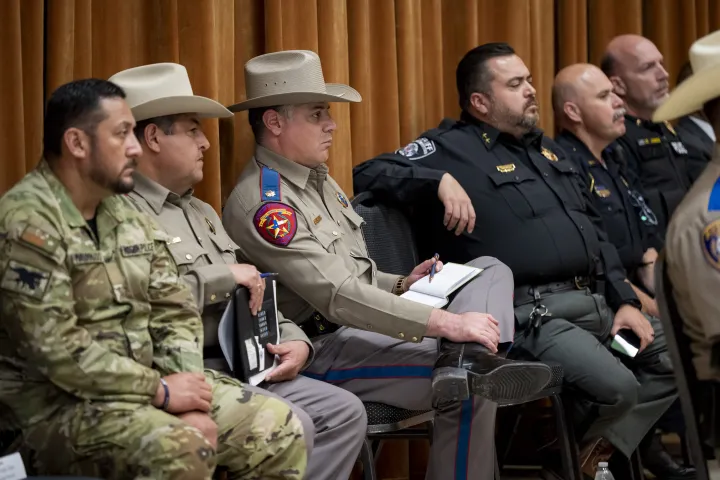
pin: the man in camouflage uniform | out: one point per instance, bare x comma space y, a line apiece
100, 359
171, 165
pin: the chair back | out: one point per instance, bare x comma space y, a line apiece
388, 235
688, 385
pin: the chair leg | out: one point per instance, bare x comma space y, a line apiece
566, 436
636, 468
367, 460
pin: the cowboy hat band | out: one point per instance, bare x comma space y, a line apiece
290, 77
164, 89
700, 87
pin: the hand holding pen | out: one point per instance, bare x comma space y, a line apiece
432, 266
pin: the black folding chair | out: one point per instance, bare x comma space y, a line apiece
391, 244
699, 399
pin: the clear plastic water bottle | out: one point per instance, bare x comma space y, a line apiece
603, 472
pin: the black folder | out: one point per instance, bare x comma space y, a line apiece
251, 333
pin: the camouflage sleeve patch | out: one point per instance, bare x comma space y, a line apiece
710, 246
25, 280
276, 223
420, 148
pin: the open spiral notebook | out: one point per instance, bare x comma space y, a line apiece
444, 283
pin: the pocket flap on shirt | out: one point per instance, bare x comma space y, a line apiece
502, 177
185, 253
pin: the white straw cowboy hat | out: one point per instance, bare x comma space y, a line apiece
290, 77
164, 89
702, 86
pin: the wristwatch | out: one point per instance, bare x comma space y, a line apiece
399, 287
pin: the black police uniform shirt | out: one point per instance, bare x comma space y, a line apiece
532, 213
659, 159
699, 145
630, 223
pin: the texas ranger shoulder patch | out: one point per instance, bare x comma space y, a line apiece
711, 247
276, 223
420, 148
24, 279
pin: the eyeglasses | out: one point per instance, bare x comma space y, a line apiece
647, 216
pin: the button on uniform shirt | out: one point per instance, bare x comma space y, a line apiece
202, 250
532, 213
309, 234
660, 160
693, 267
627, 218
86, 316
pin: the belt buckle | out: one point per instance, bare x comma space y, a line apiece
580, 283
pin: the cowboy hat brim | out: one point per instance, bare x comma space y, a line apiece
202, 106
690, 95
335, 93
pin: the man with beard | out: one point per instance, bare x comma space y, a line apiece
655, 153
101, 363
531, 213
591, 118
170, 166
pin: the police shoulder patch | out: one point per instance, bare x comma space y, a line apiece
420, 148
710, 245
25, 279
276, 223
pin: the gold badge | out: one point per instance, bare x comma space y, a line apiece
507, 168
549, 155
210, 225
317, 220
486, 138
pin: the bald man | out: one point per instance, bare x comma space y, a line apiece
655, 153
591, 117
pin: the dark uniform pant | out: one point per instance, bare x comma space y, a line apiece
378, 368
618, 397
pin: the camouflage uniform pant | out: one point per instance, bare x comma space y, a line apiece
258, 437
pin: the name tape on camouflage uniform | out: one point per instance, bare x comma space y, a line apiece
420, 148
711, 248
276, 223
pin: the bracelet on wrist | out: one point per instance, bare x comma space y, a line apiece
166, 402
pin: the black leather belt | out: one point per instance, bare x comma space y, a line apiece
317, 325
528, 294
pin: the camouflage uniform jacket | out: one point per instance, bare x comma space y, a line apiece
86, 319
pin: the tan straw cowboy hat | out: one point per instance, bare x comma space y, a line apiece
702, 86
290, 77
164, 89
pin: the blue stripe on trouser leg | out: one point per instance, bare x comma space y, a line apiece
375, 372
463, 441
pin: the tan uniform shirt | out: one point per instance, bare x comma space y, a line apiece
202, 250
325, 267
693, 259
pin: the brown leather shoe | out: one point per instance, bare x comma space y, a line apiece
592, 453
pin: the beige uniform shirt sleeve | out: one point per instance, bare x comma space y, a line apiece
690, 264
324, 280
387, 281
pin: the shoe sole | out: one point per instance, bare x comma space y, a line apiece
505, 385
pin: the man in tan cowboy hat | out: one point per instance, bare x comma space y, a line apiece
692, 245
173, 143
289, 216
